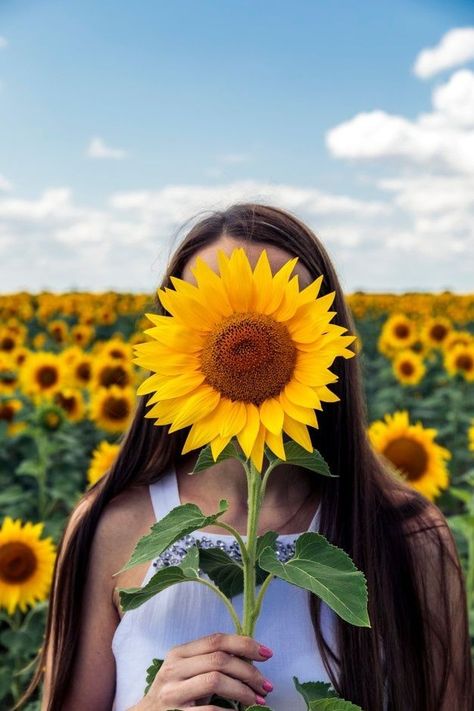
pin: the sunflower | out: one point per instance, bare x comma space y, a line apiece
397, 332
436, 330
58, 330
9, 407
243, 354
408, 367
109, 371
455, 338
111, 408
102, 459
8, 340
81, 369
43, 374
26, 564
72, 402
8, 374
116, 348
411, 449
82, 334
470, 436
460, 359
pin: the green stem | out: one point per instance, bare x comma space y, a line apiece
470, 568
236, 534
42, 468
226, 601
263, 590
253, 509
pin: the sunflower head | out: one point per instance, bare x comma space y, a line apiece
243, 353
26, 564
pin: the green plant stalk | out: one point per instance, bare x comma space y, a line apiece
253, 509
470, 569
41, 478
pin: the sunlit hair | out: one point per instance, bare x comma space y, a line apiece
418, 646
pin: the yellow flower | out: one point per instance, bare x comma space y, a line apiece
413, 452
42, 374
26, 564
111, 408
436, 330
408, 367
397, 332
102, 459
72, 402
107, 371
470, 436
243, 354
460, 359
116, 348
8, 411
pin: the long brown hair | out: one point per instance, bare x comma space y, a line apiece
417, 651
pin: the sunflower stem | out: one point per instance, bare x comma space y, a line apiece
253, 509
237, 536
41, 476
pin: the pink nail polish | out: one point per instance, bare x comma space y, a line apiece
265, 651
260, 700
267, 685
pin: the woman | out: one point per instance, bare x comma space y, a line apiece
415, 656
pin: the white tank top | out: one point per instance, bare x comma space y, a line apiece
190, 610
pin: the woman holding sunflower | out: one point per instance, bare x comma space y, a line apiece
251, 361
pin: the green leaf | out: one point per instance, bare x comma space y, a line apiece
296, 454
151, 672
223, 703
206, 460
177, 523
267, 539
464, 523
223, 570
333, 705
186, 571
326, 571
314, 690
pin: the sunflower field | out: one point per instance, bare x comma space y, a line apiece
67, 393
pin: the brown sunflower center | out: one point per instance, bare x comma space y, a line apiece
115, 353
402, 330
7, 412
83, 372
115, 408
7, 343
17, 562
47, 376
438, 332
464, 362
67, 403
249, 357
114, 375
407, 368
408, 455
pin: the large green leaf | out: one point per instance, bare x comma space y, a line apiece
228, 573
296, 454
186, 571
325, 570
177, 523
333, 705
151, 672
206, 460
314, 690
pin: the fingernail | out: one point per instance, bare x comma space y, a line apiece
260, 700
267, 685
265, 651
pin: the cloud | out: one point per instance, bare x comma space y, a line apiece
455, 47
234, 158
3, 42
443, 137
98, 149
5, 184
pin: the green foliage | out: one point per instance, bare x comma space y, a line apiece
325, 570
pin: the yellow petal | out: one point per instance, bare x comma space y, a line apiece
258, 449
248, 434
201, 433
262, 279
176, 386
300, 394
298, 432
306, 415
218, 444
232, 417
275, 442
271, 414
196, 406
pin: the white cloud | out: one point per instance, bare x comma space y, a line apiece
456, 47
5, 184
234, 158
443, 137
98, 149
3, 42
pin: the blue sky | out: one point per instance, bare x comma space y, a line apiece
122, 120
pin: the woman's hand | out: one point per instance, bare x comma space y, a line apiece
191, 673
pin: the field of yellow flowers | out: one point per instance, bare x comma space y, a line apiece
67, 393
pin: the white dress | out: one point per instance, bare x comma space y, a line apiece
190, 610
